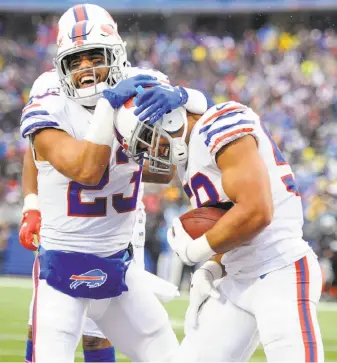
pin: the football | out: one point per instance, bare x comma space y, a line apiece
198, 221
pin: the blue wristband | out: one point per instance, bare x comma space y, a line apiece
183, 95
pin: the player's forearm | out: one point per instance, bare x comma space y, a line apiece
198, 102
82, 160
238, 226
29, 183
29, 174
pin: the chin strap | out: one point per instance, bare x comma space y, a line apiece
179, 147
179, 151
89, 96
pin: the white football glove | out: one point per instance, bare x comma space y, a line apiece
202, 288
190, 251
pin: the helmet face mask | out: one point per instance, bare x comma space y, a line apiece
160, 144
88, 37
154, 144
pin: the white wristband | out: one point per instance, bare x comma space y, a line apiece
199, 250
100, 131
214, 268
196, 102
31, 202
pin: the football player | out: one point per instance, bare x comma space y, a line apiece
78, 172
273, 282
96, 348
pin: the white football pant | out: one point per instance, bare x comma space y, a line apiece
278, 309
135, 322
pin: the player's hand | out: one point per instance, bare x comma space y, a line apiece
179, 240
202, 288
124, 90
157, 101
30, 229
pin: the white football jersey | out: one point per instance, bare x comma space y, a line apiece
92, 219
281, 242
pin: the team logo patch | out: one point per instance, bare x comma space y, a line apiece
220, 107
92, 278
107, 30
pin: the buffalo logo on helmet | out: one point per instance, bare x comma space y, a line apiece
107, 30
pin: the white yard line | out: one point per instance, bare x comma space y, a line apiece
26, 283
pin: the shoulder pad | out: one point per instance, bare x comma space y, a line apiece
46, 81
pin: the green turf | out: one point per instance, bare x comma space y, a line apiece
14, 303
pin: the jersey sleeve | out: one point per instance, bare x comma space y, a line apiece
42, 110
227, 122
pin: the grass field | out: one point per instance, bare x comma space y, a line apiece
15, 296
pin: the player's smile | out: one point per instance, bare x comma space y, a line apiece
81, 65
87, 79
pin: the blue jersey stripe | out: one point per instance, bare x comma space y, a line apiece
226, 115
226, 127
34, 113
39, 125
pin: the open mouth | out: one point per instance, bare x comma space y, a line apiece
87, 81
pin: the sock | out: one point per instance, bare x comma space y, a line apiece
29, 351
100, 355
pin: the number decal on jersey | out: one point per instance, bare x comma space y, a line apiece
121, 157
98, 208
128, 204
77, 208
279, 158
201, 181
288, 180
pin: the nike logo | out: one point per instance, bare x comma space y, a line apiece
218, 108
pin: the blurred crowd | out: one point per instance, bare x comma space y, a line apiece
288, 78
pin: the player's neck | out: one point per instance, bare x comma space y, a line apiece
192, 120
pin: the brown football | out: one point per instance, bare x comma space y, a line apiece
198, 221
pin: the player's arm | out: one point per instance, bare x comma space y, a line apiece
31, 216
198, 101
84, 160
245, 180
29, 174
149, 177
153, 103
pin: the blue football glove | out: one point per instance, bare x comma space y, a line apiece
157, 101
124, 90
